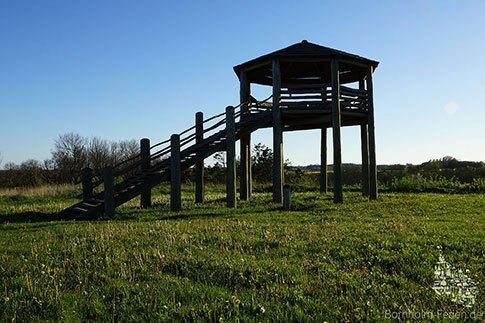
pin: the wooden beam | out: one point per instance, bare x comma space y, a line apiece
354, 63
146, 195
230, 158
323, 162
364, 141
286, 197
109, 192
277, 136
337, 148
175, 174
199, 166
245, 142
372, 137
364, 144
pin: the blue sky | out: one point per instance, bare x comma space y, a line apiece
133, 69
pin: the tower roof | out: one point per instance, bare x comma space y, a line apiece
307, 60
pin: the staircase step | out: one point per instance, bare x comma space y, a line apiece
126, 189
77, 209
94, 200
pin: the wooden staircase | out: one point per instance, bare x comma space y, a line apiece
191, 153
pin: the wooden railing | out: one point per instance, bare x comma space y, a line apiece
305, 96
162, 149
319, 96
353, 99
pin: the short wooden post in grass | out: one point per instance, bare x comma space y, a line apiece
175, 174
146, 195
286, 197
230, 158
87, 183
109, 192
199, 166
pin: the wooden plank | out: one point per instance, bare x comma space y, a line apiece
175, 174
303, 90
303, 104
199, 166
372, 138
351, 90
301, 97
277, 135
337, 149
230, 158
306, 86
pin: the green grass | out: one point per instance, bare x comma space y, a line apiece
318, 262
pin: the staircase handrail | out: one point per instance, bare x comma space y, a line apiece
183, 142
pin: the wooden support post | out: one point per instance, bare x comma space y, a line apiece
146, 195
337, 148
365, 159
323, 162
372, 137
199, 166
277, 136
175, 176
230, 158
87, 183
109, 193
364, 141
245, 143
286, 197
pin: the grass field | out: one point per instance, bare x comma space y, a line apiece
359, 261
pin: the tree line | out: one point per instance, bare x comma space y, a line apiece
72, 152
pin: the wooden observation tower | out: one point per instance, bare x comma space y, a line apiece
314, 87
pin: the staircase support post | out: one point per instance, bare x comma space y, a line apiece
364, 142
230, 158
277, 136
87, 183
199, 166
323, 162
146, 195
372, 137
337, 148
245, 190
175, 174
109, 193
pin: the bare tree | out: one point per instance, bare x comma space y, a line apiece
99, 154
70, 155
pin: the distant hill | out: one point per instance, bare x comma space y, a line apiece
315, 168
443, 163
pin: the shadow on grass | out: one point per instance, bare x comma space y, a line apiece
32, 217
